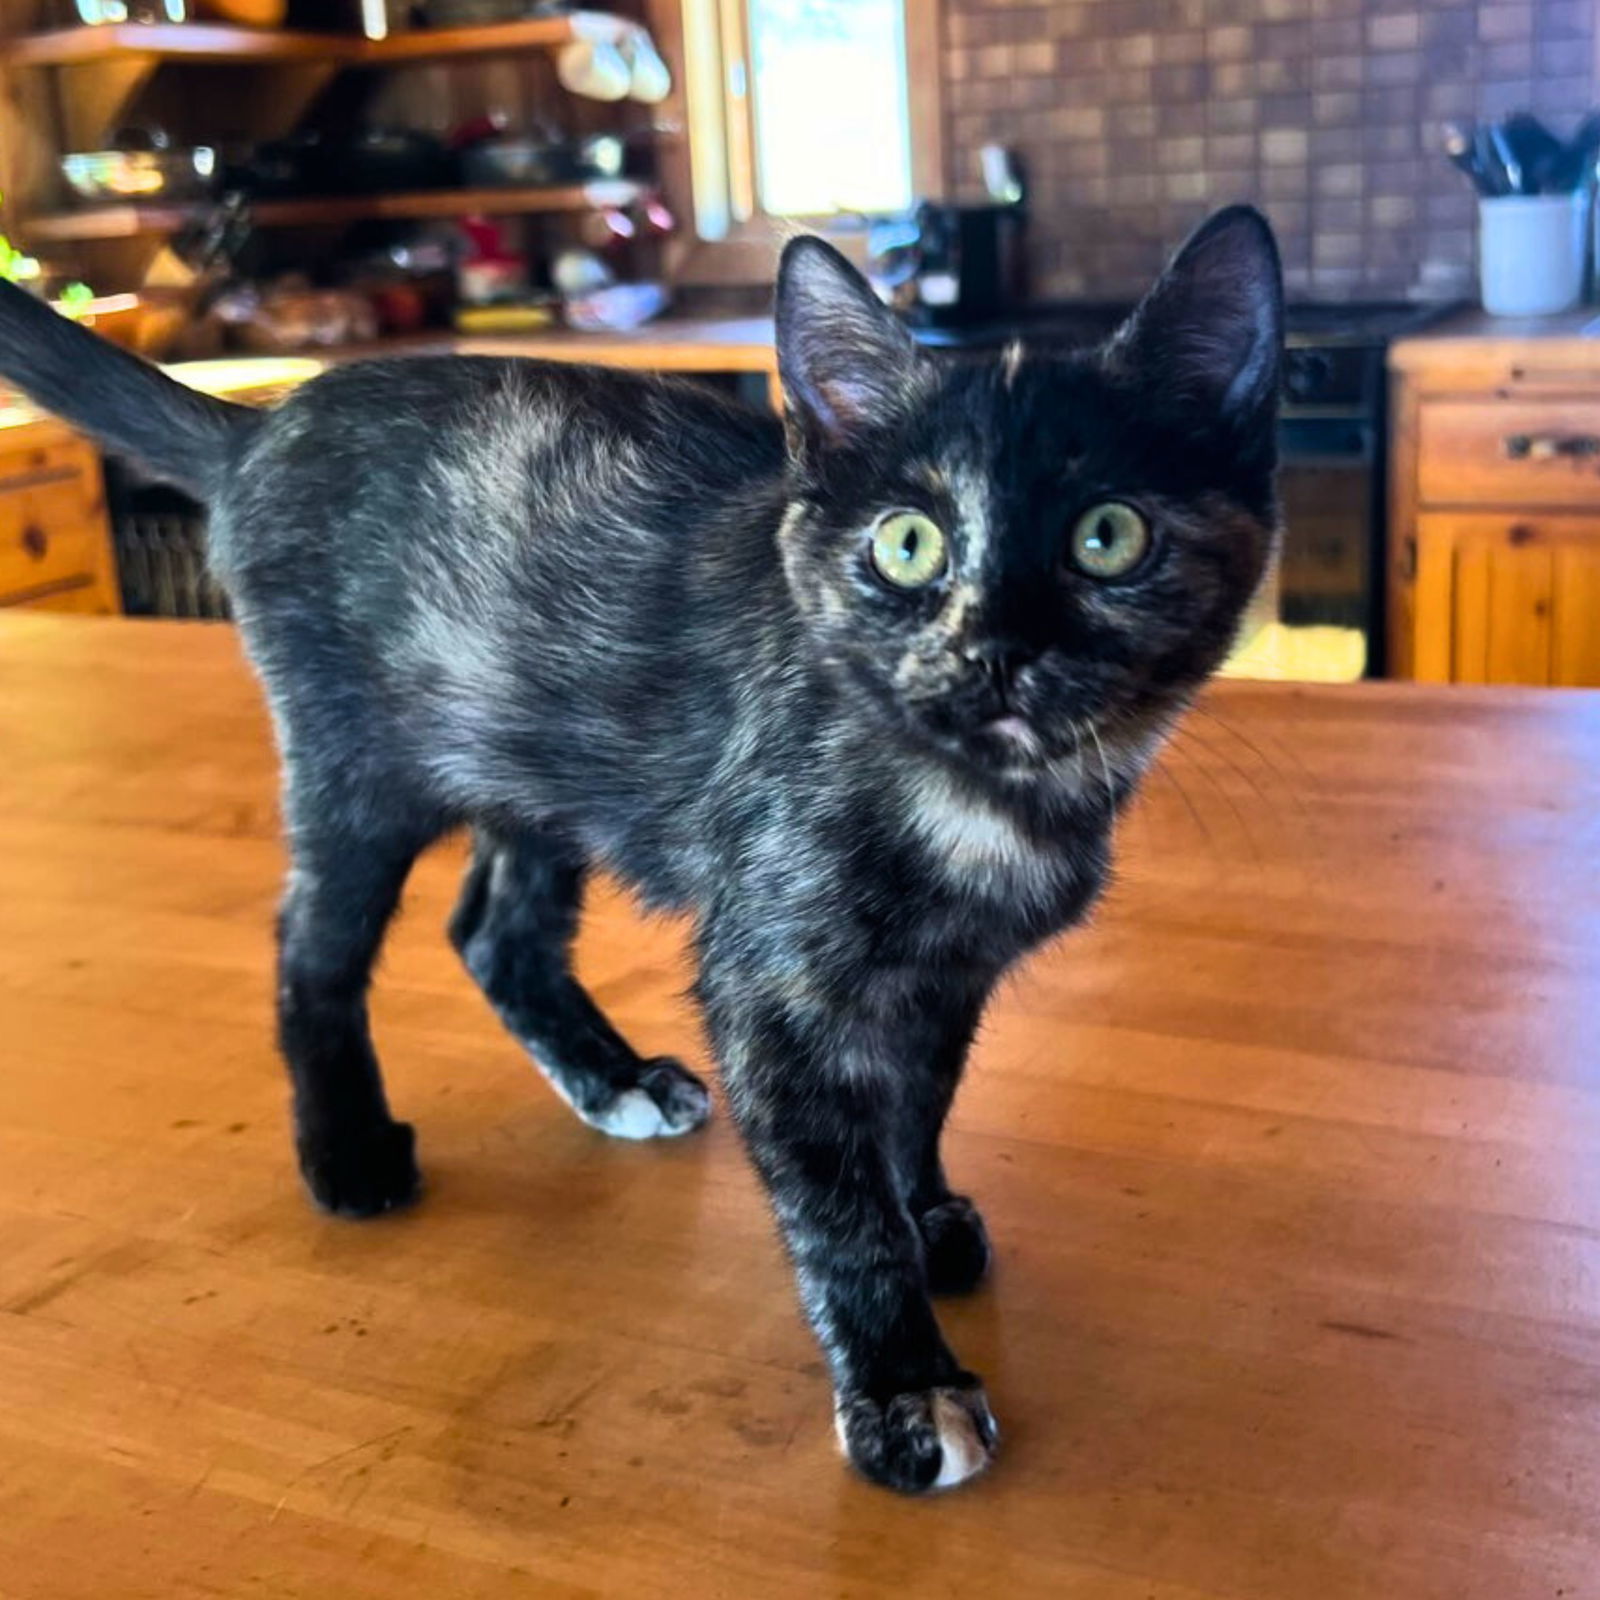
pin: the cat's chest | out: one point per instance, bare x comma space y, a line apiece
982, 857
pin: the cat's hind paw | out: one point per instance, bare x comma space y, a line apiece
930, 1440
955, 1245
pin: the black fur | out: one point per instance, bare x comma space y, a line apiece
609, 620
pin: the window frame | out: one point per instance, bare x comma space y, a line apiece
701, 157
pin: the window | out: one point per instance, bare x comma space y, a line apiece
808, 108
848, 56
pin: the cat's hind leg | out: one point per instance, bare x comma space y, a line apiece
513, 927
343, 888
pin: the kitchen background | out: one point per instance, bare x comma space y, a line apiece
1138, 116
287, 183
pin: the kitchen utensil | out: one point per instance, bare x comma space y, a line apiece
120, 175
490, 270
658, 216
1493, 178
1506, 159
369, 162
894, 253
1531, 252
380, 159
601, 155
468, 13
290, 314
503, 162
204, 256
617, 308
528, 317
1521, 156
214, 237
606, 228
1461, 147
98, 11
1002, 180
401, 308
1535, 149
1574, 166
576, 272
594, 68
649, 81
380, 18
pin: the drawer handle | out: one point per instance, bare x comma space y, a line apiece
35, 541
1549, 446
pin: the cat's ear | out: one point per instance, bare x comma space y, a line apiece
1208, 338
848, 366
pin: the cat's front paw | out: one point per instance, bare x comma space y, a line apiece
933, 1439
361, 1172
668, 1100
955, 1245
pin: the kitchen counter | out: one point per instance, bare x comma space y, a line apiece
1292, 1162
1566, 344
671, 344
744, 344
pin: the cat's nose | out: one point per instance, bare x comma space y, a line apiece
999, 661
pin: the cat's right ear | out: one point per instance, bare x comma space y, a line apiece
848, 366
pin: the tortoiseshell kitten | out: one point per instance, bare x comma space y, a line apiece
861, 695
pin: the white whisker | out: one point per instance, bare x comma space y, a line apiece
1105, 767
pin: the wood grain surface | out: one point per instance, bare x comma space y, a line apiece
1292, 1162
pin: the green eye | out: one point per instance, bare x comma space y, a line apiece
1109, 540
908, 549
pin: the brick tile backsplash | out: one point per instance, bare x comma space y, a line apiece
1135, 117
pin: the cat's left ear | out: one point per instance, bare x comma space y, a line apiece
1208, 338
848, 366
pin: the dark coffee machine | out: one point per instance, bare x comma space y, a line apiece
948, 266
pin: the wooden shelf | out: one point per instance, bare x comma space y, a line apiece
131, 221
171, 41
500, 38
220, 43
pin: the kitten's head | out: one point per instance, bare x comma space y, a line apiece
1013, 555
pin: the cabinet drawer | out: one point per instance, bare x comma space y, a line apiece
50, 531
39, 464
80, 597
1542, 452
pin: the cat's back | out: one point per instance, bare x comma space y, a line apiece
462, 460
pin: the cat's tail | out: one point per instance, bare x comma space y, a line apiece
131, 407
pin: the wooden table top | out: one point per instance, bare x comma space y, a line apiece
1292, 1162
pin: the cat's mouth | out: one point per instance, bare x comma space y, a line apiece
1015, 732
1014, 745
1014, 748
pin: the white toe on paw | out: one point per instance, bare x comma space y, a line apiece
920, 1441
963, 1453
632, 1115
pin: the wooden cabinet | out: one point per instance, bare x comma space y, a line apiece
1494, 538
1519, 596
55, 540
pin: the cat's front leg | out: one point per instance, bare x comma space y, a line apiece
820, 1095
